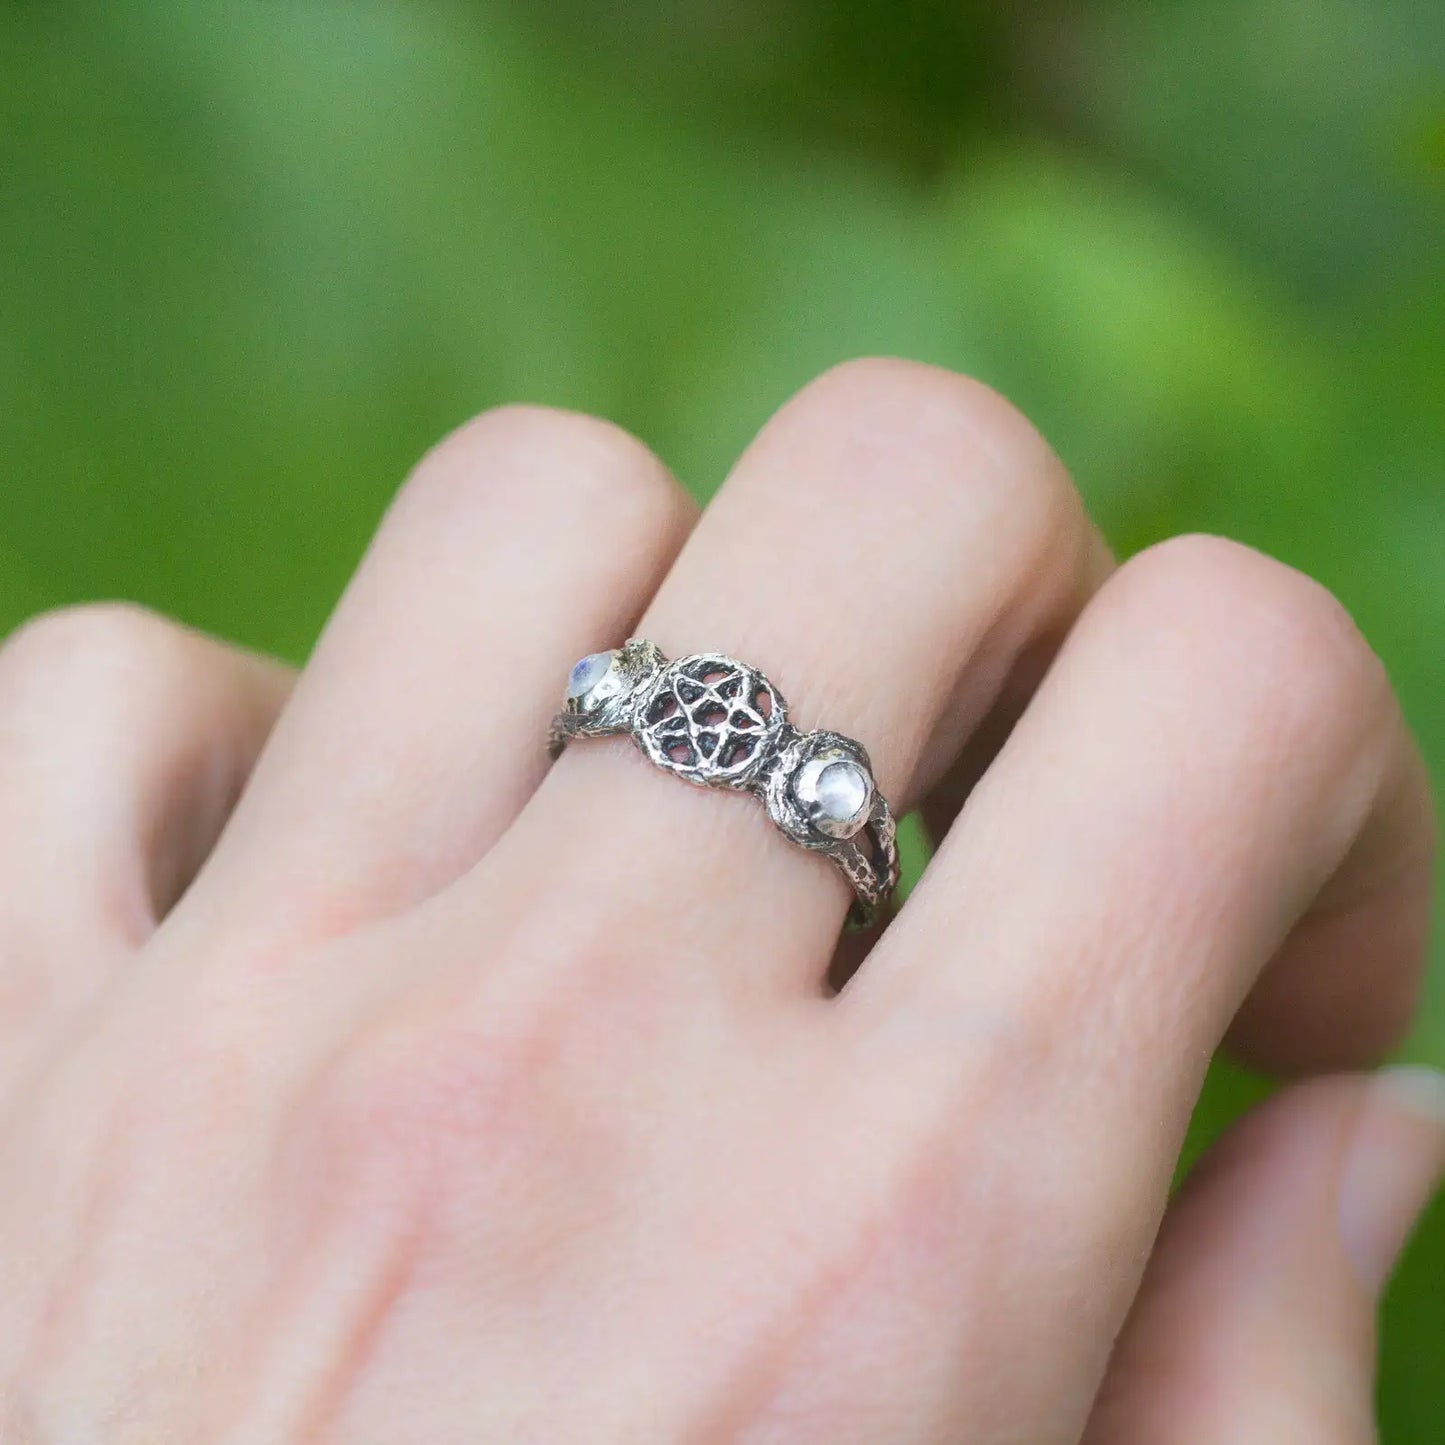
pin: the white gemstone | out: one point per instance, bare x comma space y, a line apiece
841, 791
588, 673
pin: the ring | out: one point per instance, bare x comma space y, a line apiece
719, 723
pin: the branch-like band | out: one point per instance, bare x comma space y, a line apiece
719, 723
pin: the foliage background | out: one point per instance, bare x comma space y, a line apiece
254, 258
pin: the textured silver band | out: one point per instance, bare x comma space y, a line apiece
719, 723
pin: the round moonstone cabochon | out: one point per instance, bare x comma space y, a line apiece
836, 794
842, 791
587, 673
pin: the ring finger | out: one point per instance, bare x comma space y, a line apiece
886, 552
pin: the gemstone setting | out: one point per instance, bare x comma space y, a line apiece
835, 792
842, 791
592, 681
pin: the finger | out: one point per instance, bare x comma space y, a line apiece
1343, 987
892, 542
1237, 785
1256, 1320
1206, 754
418, 728
124, 741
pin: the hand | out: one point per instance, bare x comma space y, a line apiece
431, 1096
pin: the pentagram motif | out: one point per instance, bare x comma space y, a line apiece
711, 719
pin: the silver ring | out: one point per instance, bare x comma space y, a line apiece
719, 723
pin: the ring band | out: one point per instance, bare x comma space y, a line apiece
719, 723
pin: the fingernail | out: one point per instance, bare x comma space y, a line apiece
1392, 1165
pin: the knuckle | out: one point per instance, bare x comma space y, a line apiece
895, 400
428, 1129
166, 1108
560, 458
225, 1077
417, 1103
961, 449
109, 640
1266, 635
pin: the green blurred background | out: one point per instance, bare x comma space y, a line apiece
255, 257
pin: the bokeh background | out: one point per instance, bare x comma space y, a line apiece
255, 257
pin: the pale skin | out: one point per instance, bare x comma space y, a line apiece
428, 1094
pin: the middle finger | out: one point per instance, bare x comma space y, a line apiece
411, 741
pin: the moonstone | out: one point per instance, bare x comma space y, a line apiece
841, 791
588, 673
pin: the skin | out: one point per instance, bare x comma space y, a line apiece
424, 1093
